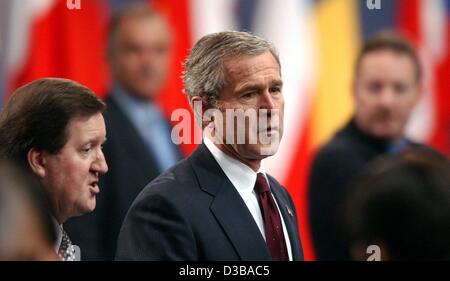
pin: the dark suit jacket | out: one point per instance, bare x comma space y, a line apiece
337, 164
131, 167
193, 212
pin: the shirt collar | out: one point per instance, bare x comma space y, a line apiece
58, 230
136, 109
241, 176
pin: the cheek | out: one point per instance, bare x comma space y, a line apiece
129, 64
76, 172
408, 106
366, 108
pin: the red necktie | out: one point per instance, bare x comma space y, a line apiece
272, 222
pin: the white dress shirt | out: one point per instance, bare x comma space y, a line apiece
243, 179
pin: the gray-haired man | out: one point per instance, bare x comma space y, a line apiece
219, 204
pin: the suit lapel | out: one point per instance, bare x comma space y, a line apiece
239, 225
289, 219
228, 208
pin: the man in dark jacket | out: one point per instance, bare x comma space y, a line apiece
386, 88
219, 204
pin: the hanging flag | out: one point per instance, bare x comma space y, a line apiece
50, 38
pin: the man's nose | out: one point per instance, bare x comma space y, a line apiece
387, 97
100, 164
266, 100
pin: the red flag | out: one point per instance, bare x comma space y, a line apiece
66, 43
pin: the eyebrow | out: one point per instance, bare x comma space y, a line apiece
95, 141
247, 86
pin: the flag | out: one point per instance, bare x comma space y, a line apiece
427, 25
317, 41
49, 39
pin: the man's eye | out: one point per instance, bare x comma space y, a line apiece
275, 89
375, 87
248, 95
400, 88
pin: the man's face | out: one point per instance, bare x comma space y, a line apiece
253, 83
140, 60
386, 91
71, 175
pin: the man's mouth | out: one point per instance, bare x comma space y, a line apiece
94, 188
268, 130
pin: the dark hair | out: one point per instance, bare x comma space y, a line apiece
404, 202
387, 40
38, 114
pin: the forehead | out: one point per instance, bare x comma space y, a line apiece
246, 68
387, 64
143, 28
85, 128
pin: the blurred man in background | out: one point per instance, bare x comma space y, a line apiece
386, 88
139, 145
401, 204
26, 228
55, 129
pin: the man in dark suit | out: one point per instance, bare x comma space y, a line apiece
386, 89
139, 145
219, 204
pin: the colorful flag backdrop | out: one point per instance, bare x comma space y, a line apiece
317, 41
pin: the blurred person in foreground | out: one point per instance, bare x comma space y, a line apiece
55, 129
26, 229
401, 204
387, 86
219, 203
139, 145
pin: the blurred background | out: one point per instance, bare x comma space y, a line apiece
318, 41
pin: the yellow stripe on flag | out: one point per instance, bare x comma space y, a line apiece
337, 29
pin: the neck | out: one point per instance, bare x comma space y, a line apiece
60, 218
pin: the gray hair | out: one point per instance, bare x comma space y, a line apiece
203, 73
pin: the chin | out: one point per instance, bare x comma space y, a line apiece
89, 208
268, 150
386, 132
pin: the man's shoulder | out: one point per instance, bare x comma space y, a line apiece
344, 151
112, 111
278, 186
340, 145
274, 182
426, 148
177, 183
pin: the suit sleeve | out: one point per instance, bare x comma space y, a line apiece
155, 230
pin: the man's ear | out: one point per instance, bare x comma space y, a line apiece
199, 106
36, 160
